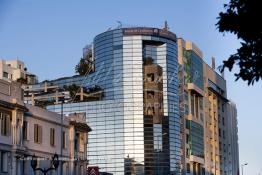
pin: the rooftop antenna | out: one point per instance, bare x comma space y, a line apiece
213, 63
166, 26
119, 24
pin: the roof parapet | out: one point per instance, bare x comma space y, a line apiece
193, 47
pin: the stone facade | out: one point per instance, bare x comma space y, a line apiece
28, 130
208, 129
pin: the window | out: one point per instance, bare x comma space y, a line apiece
5, 74
188, 123
188, 168
187, 138
192, 105
150, 94
186, 109
25, 130
37, 133
64, 139
52, 136
4, 162
5, 124
197, 106
76, 141
150, 77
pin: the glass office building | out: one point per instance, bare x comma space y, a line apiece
136, 126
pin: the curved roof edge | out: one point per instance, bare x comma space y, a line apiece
148, 31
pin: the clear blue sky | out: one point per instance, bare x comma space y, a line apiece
49, 36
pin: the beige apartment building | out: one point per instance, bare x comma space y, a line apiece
208, 126
15, 70
216, 148
29, 130
191, 89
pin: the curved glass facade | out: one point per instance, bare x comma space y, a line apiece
123, 139
194, 68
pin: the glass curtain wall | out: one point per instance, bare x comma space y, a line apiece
117, 141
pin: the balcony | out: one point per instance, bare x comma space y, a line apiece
195, 89
193, 158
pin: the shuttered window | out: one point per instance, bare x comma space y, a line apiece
64, 139
37, 133
5, 124
25, 130
4, 162
52, 136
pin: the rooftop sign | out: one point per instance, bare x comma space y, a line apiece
150, 32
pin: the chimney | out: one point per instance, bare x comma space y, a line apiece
213, 63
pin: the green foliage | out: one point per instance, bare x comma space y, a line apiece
242, 19
187, 63
85, 65
74, 89
22, 80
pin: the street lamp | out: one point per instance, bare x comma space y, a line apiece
54, 164
63, 99
242, 167
62, 136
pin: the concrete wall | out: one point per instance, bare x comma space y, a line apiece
14, 68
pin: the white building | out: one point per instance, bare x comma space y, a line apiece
28, 130
233, 150
13, 70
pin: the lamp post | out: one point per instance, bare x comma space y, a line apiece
62, 137
54, 164
62, 130
63, 99
242, 167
